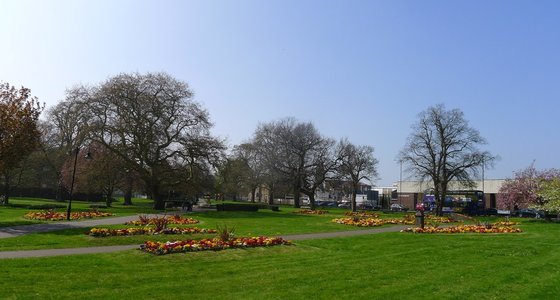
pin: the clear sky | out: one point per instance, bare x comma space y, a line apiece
356, 69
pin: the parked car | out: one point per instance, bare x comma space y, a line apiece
365, 206
529, 213
398, 207
344, 205
491, 212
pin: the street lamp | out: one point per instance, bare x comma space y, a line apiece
88, 156
400, 183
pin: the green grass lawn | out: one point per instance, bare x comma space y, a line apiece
388, 265
13, 215
263, 222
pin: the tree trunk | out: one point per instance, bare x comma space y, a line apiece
253, 192
296, 196
353, 200
128, 191
6, 200
109, 196
159, 204
311, 200
271, 196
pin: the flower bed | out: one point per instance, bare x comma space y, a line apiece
160, 248
360, 222
142, 221
51, 215
436, 219
464, 229
103, 232
362, 214
373, 221
311, 212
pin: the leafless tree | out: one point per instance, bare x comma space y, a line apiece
443, 147
255, 169
64, 130
357, 163
296, 150
151, 122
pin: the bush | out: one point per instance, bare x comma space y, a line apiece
237, 207
38, 206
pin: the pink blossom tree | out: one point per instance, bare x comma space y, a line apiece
525, 188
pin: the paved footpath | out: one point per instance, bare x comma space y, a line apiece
26, 229
7, 232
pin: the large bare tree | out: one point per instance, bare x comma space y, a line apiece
151, 122
444, 147
357, 163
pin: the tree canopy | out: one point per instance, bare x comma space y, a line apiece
444, 147
149, 123
19, 133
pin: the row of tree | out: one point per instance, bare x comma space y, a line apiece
292, 153
147, 133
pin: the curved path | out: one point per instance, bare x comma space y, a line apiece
7, 232
14, 231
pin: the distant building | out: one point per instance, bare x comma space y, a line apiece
410, 193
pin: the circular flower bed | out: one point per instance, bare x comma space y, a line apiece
311, 212
160, 248
51, 215
103, 232
143, 220
464, 229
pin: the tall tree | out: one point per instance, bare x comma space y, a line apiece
444, 147
357, 164
64, 130
19, 134
151, 122
254, 167
292, 149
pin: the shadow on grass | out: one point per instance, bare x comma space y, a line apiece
17, 223
247, 214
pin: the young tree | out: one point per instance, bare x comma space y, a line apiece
19, 135
357, 164
443, 147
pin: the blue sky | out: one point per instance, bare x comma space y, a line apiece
356, 69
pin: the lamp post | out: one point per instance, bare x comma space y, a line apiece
88, 156
400, 183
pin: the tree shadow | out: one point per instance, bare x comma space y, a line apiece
247, 214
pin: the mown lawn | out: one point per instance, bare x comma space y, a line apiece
263, 222
12, 215
379, 266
